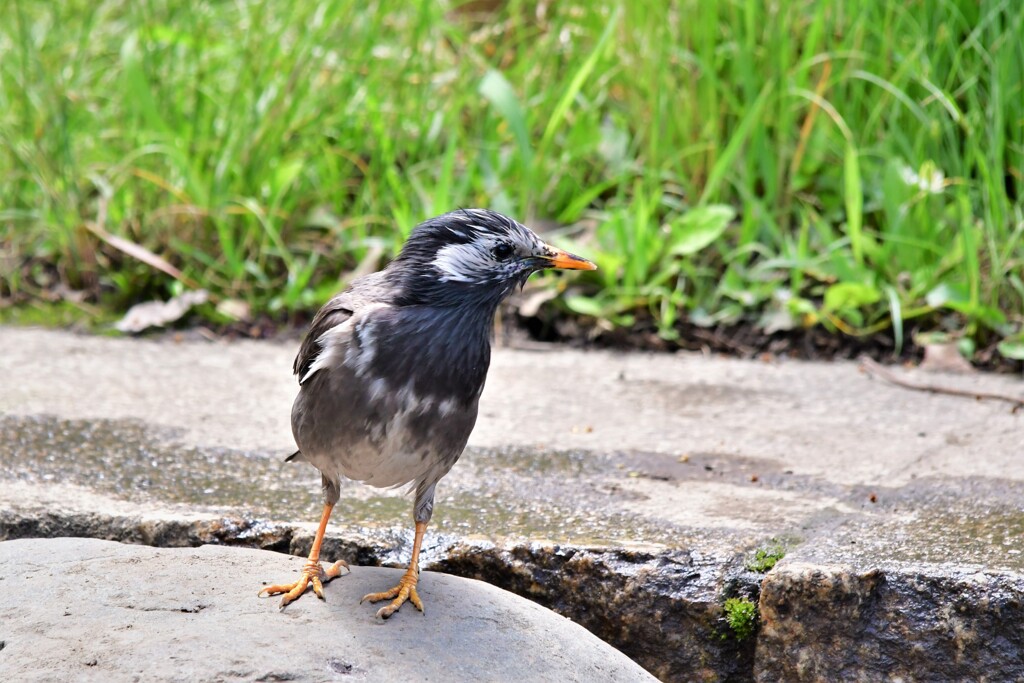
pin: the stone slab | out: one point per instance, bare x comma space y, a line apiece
91, 610
922, 622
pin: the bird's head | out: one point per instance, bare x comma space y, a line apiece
475, 255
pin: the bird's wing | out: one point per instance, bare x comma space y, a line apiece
334, 312
366, 291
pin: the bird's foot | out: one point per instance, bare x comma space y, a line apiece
313, 574
405, 590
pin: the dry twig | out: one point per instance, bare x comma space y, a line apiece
875, 368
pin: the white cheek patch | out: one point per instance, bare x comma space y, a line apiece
464, 262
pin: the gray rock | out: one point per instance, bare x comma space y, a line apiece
921, 623
662, 607
84, 609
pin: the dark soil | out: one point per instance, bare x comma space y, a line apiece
86, 308
743, 340
747, 340
551, 324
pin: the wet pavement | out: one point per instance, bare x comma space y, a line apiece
677, 468
515, 492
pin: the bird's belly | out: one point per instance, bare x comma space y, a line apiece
415, 444
384, 467
384, 432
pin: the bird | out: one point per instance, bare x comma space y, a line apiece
391, 371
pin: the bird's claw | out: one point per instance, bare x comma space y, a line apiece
405, 590
313, 574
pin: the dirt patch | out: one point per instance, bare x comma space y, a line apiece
52, 304
739, 340
747, 340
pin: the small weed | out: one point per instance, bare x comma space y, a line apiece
766, 558
741, 617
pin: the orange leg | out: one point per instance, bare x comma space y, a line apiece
312, 572
406, 588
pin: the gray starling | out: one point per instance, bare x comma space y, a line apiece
392, 370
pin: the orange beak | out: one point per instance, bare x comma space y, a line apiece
557, 258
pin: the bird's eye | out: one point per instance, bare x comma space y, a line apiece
502, 250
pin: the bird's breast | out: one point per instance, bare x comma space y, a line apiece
398, 403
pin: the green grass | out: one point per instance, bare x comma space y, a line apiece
64, 314
722, 162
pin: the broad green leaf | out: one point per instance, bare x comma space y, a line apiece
700, 227
1012, 348
957, 298
850, 295
966, 347
585, 306
800, 306
946, 294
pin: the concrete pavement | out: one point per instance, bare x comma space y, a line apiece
636, 453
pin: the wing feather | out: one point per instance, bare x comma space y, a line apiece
334, 312
367, 290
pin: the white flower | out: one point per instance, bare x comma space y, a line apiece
929, 178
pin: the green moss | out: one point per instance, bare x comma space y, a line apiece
741, 617
766, 557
